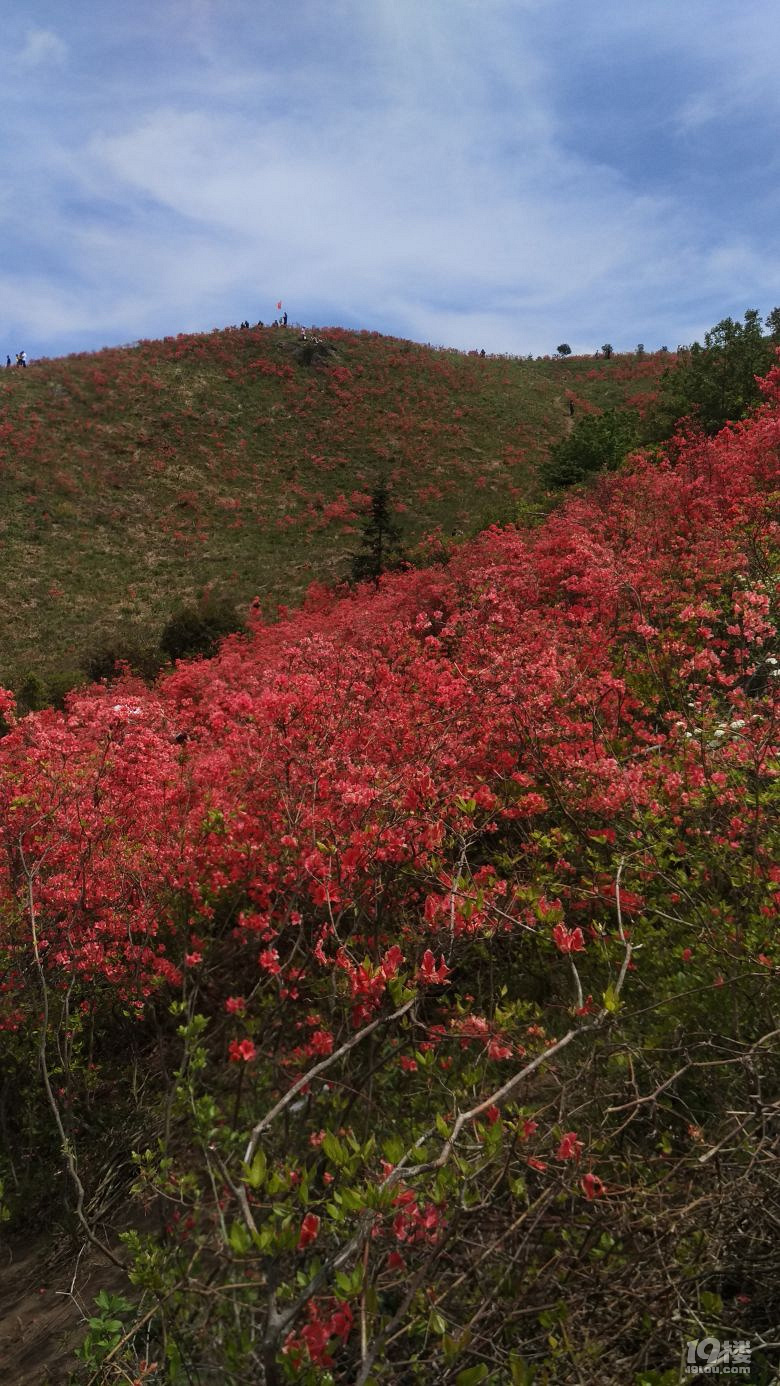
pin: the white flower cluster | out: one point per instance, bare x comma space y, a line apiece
720, 731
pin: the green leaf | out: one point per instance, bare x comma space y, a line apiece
611, 999
254, 1174
393, 1148
471, 1375
333, 1148
450, 1347
263, 1238
520, 1372
710, 1303
239, 1238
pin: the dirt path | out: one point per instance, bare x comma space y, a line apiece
45, 1296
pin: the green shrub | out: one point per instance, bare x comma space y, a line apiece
32, 695
313, 351
60, 684
716, 382
598, 442
138, 652
197, 628
36, 693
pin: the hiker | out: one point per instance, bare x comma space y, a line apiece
7, 362
284, 318
482, 353
21, 358
571, 406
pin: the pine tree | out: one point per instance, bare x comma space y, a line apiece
381, 546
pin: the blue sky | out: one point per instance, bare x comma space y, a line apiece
500, 173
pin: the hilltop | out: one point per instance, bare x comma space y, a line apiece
134, 477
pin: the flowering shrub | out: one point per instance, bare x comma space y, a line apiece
443, 921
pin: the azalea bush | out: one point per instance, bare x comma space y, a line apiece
414, 959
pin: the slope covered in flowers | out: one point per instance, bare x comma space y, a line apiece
137, 476
465, 893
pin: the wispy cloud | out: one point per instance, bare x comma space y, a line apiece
42, 48
470, 173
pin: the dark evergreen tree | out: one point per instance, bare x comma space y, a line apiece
607, 350
381, 548
564, 349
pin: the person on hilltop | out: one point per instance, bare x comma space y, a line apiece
284, 318
21, 358
7, 361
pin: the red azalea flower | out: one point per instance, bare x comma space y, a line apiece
592, 1187
309, 1231
568, 940
570, 1147
429, 972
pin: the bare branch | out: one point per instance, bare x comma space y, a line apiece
313, 1073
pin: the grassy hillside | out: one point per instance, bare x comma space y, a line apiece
132, 478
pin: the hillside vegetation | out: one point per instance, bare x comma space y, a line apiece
415, 960
242, 460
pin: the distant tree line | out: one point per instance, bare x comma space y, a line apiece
711, 384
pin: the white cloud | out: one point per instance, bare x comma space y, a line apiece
42, 49
389, 163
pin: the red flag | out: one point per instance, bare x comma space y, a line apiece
279, 304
